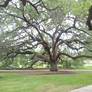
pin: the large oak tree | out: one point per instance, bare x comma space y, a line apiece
44, 29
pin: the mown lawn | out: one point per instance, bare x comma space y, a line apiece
43, 83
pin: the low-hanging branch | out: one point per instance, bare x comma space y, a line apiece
74, 57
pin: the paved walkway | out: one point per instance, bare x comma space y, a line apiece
83, 89
45, 71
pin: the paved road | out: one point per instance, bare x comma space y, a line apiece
83, 89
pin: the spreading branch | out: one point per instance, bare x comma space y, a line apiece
74, 57
5, 3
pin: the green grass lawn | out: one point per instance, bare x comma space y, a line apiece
43, 83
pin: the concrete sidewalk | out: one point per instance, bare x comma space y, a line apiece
83, 89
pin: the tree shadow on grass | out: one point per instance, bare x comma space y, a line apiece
1, 77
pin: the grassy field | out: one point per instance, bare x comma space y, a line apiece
43, 83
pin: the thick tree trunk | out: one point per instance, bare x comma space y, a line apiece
53, 66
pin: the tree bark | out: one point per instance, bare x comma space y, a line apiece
53, 66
